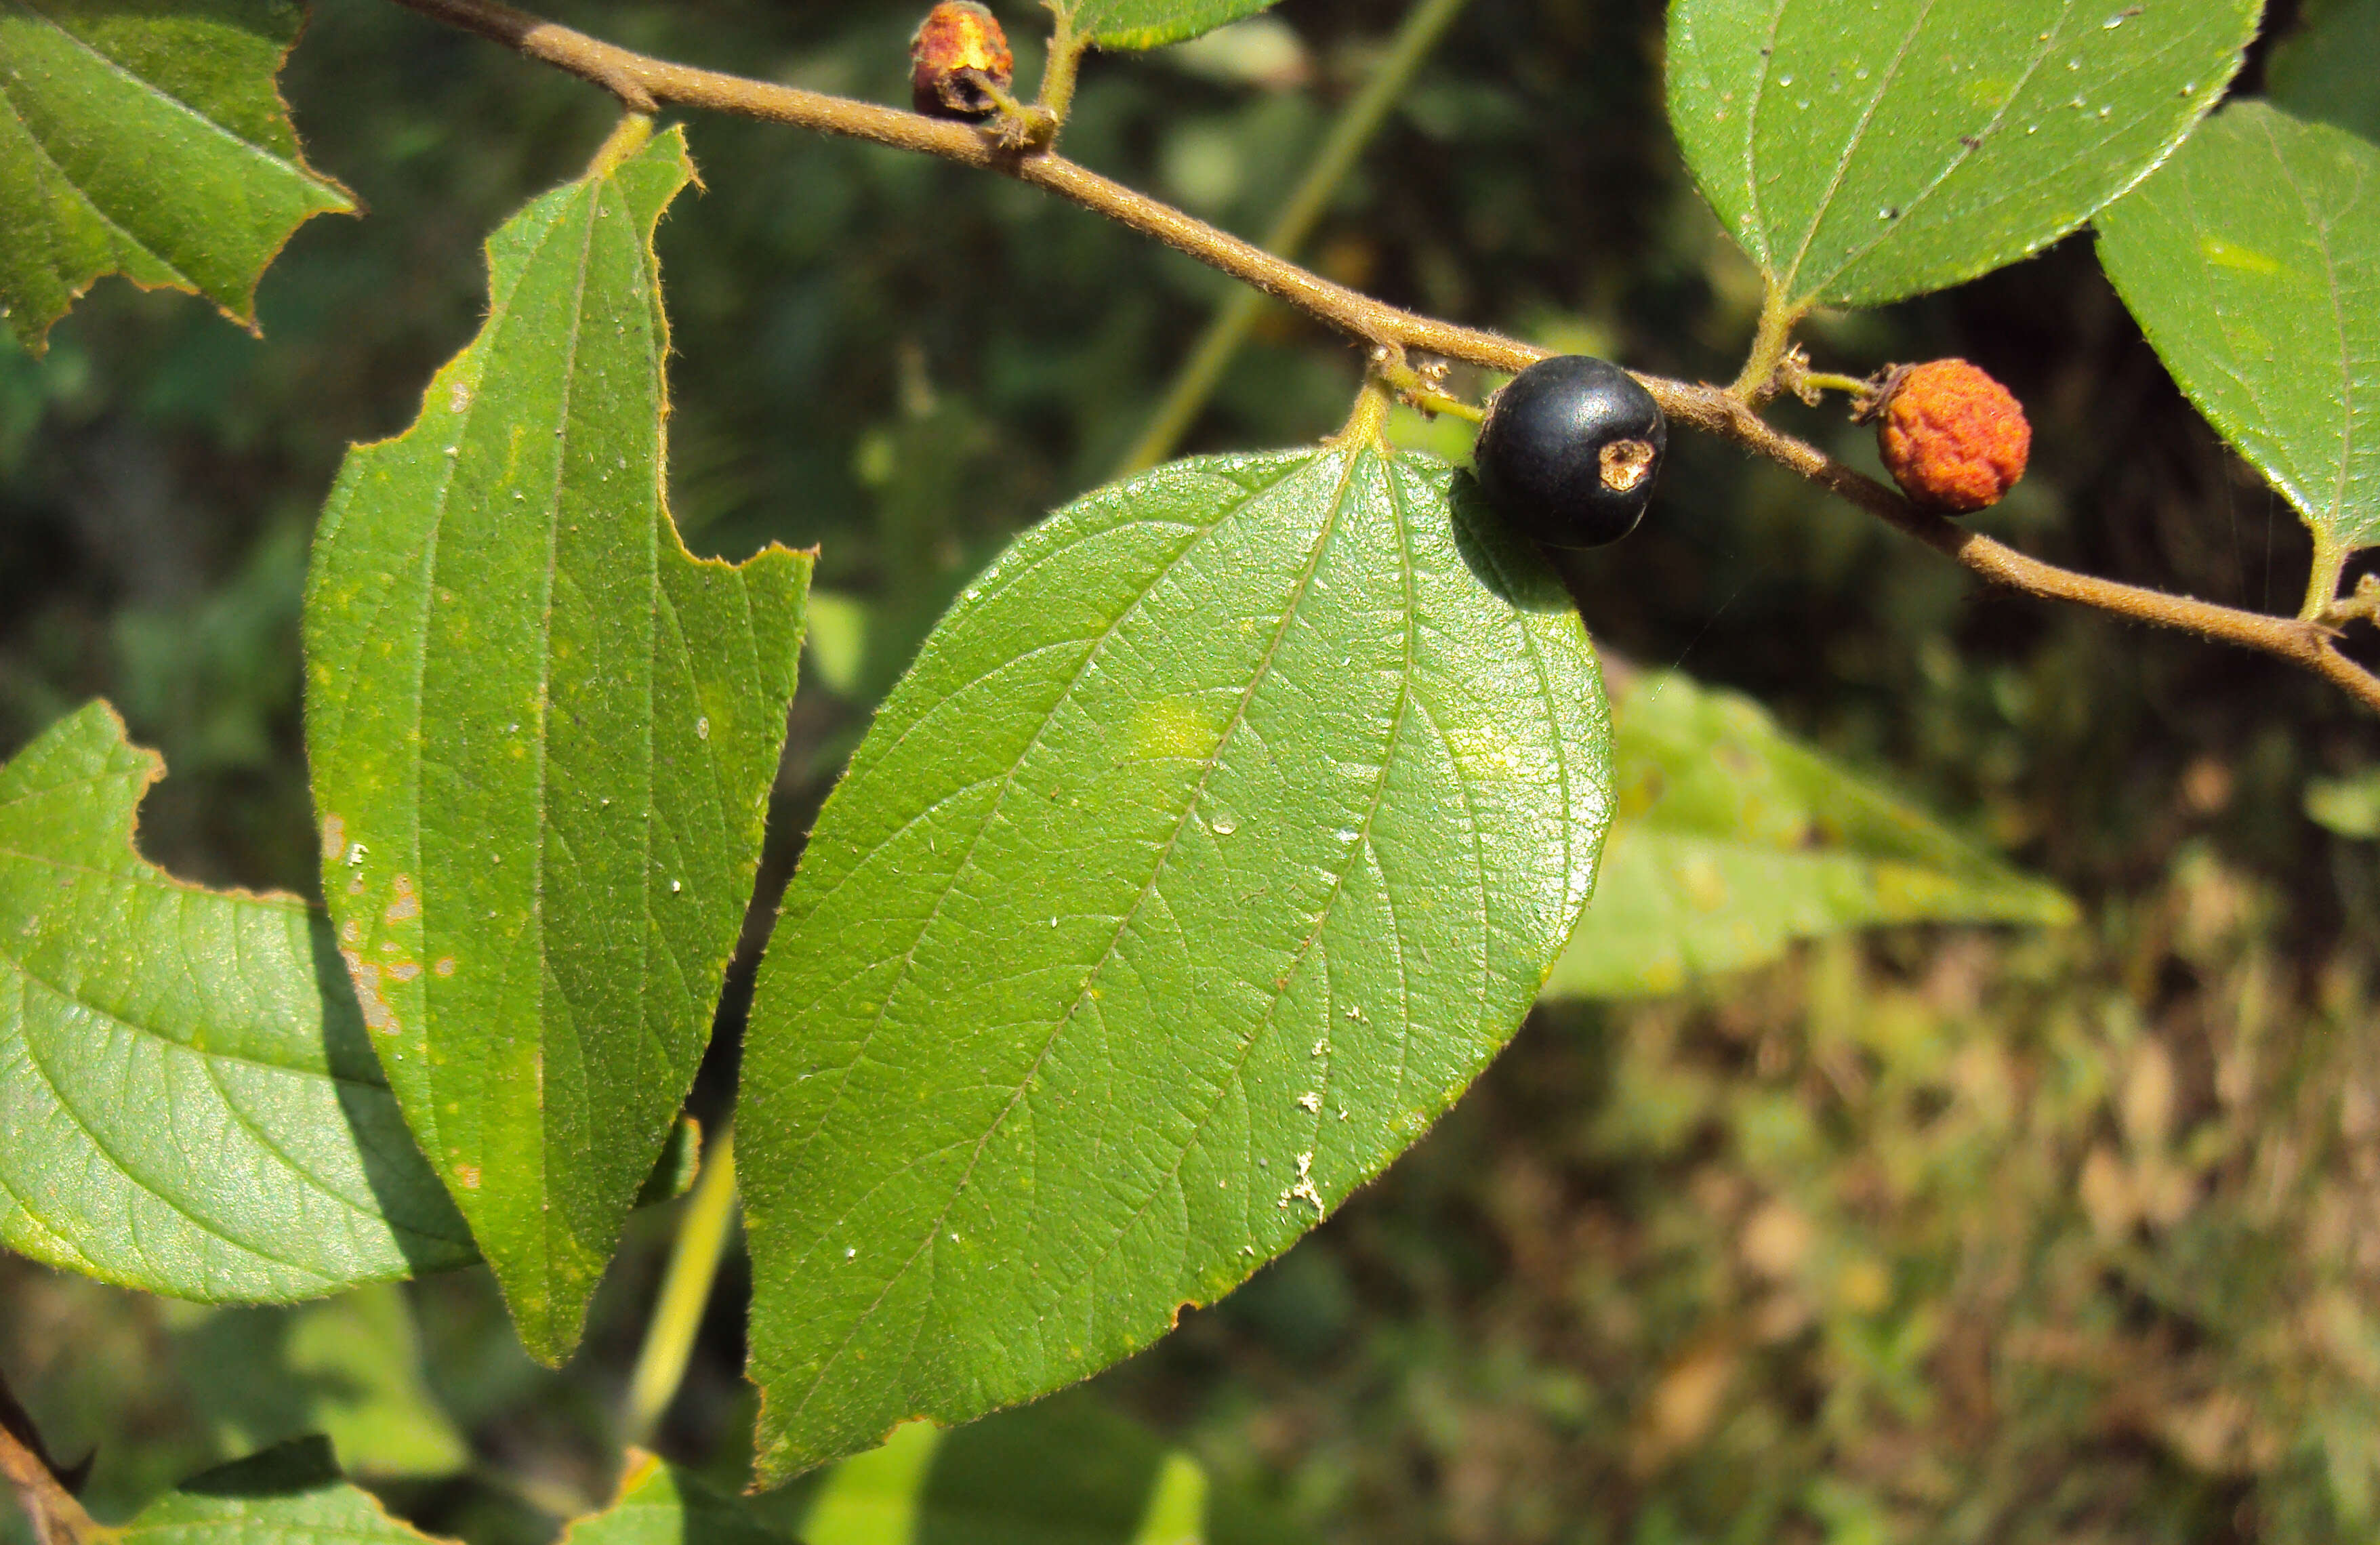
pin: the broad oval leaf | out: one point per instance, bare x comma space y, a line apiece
542, 740
2253, 261
1154, 23
189, 1104
289, 1495
2323, 70
1866, 149
149, 140
1731, 840
1218, 836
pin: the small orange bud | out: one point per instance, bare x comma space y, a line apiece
956, 53
1953, 437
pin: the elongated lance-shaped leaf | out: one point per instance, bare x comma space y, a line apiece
1221, 833
542, 740
1865, 149
2253, 261
146, 138
1731, 840
188, 1103
1154, 23
289, 1495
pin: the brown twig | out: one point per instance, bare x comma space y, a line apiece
642, 83
57, 1517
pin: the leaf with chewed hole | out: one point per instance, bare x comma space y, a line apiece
542, 739
146, 138
1731, 840
1221, 833
1865, 149
2253, 261
189, 1101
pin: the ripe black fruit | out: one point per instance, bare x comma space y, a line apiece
1571, 451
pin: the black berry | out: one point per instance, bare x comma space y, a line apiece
1571, 451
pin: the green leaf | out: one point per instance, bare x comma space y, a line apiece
1219, 835
542, 740
146, 138
1066, 1471
348, 1368
290, 1495
189, 1104
1730, 841
679, 1166
662, 1504
1154, 23
2253, 261
2346, 807
2323, 70
1866, 149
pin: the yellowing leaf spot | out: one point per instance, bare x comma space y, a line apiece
366, 976
1169, 728
404, 904
2232, 255
334, 836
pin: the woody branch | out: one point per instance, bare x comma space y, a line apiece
643, 84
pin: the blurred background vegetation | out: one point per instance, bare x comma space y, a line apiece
1929, 1234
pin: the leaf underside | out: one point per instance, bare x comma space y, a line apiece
1219, 835
1730, 841
146, 138
1861, 151
189, 1101
542, 740
2253, 261
1133, 24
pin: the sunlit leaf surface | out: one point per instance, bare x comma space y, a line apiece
189, 1101
1152, 24
2253, 261
145, 137
1865, 149
1222, 832
542, 740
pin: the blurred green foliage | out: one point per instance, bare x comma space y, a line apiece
1934, 1235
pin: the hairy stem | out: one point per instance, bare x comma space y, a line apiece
1233, 320
1770, 345
686, 1291
642, 82
57, 1517
1064, 59
2322, 584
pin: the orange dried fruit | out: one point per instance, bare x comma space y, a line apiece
1953, 438
958, 51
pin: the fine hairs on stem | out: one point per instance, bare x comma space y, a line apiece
642, 83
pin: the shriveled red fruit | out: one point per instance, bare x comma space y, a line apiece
958, 50
1953, 437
